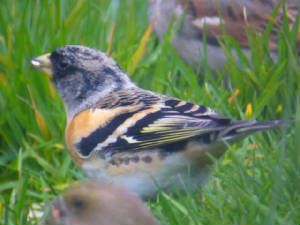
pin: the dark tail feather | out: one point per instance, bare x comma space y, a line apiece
245, 127
239, 129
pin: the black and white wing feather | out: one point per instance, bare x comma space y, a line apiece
159, 122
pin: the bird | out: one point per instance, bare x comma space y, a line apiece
134, 137
97, 203
214, 18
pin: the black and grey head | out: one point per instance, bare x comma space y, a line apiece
82, 75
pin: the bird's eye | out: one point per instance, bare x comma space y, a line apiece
63, 64
78, 203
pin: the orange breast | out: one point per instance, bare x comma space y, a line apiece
86, 122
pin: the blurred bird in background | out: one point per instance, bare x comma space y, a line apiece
98, 203
216, 18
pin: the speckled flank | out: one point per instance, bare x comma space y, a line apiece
124, 163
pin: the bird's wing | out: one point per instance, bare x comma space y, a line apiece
172, 122
137, 121
235, 17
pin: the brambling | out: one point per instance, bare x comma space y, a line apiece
98, 203
215, 18
124, 134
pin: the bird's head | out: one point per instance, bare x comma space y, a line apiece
98, 203
82, 75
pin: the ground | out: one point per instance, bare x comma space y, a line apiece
257, 181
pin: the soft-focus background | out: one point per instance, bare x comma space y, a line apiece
257, 181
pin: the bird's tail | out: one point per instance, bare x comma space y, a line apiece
241, 128
234, 131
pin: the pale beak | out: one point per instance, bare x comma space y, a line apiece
43, 64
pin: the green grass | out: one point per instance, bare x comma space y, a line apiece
248, 186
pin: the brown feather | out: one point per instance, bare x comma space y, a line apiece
238, 16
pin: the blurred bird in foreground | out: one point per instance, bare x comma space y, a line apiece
98, 203
121, 133
216, 18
